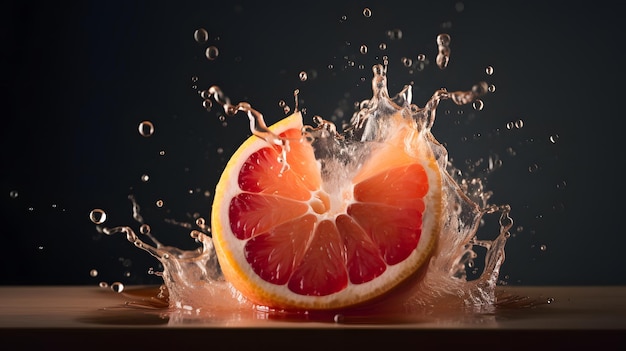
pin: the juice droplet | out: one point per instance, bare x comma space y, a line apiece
489, 70
382, 46
103, 284
543, 247
201, 35
303, 76
492, 88
146, 128
145, 178
93, 273
363, 49
212, 52
367, 12
159, 203
97, 216
443, 57
421, 57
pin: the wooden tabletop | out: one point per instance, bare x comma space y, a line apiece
75, 315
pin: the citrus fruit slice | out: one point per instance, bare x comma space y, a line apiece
287, 239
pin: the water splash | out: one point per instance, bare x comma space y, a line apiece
193, 282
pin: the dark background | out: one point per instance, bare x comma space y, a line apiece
78, 79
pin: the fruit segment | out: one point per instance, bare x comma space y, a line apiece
261, 174
363, 259
274, 254
253, 214
322, 270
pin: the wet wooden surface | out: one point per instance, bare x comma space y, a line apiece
36, 315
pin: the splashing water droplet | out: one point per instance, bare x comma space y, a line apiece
144, 229
201, 35
382, 46
97, 216
93, 273
363, 49
207, 104
145, 178
489, 70
367, 12
117, 287
146, 128
159, 203
13, 194
554, 138
394, 34
421, 57
478, 105
103, 284
443, 39
303, 76
492, 88
543, 247
212, 52
443, 56
519, 124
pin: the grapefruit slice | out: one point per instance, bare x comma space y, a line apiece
285, 241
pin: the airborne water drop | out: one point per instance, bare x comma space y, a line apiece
212, 52
146, 128
201, 35
97, 216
